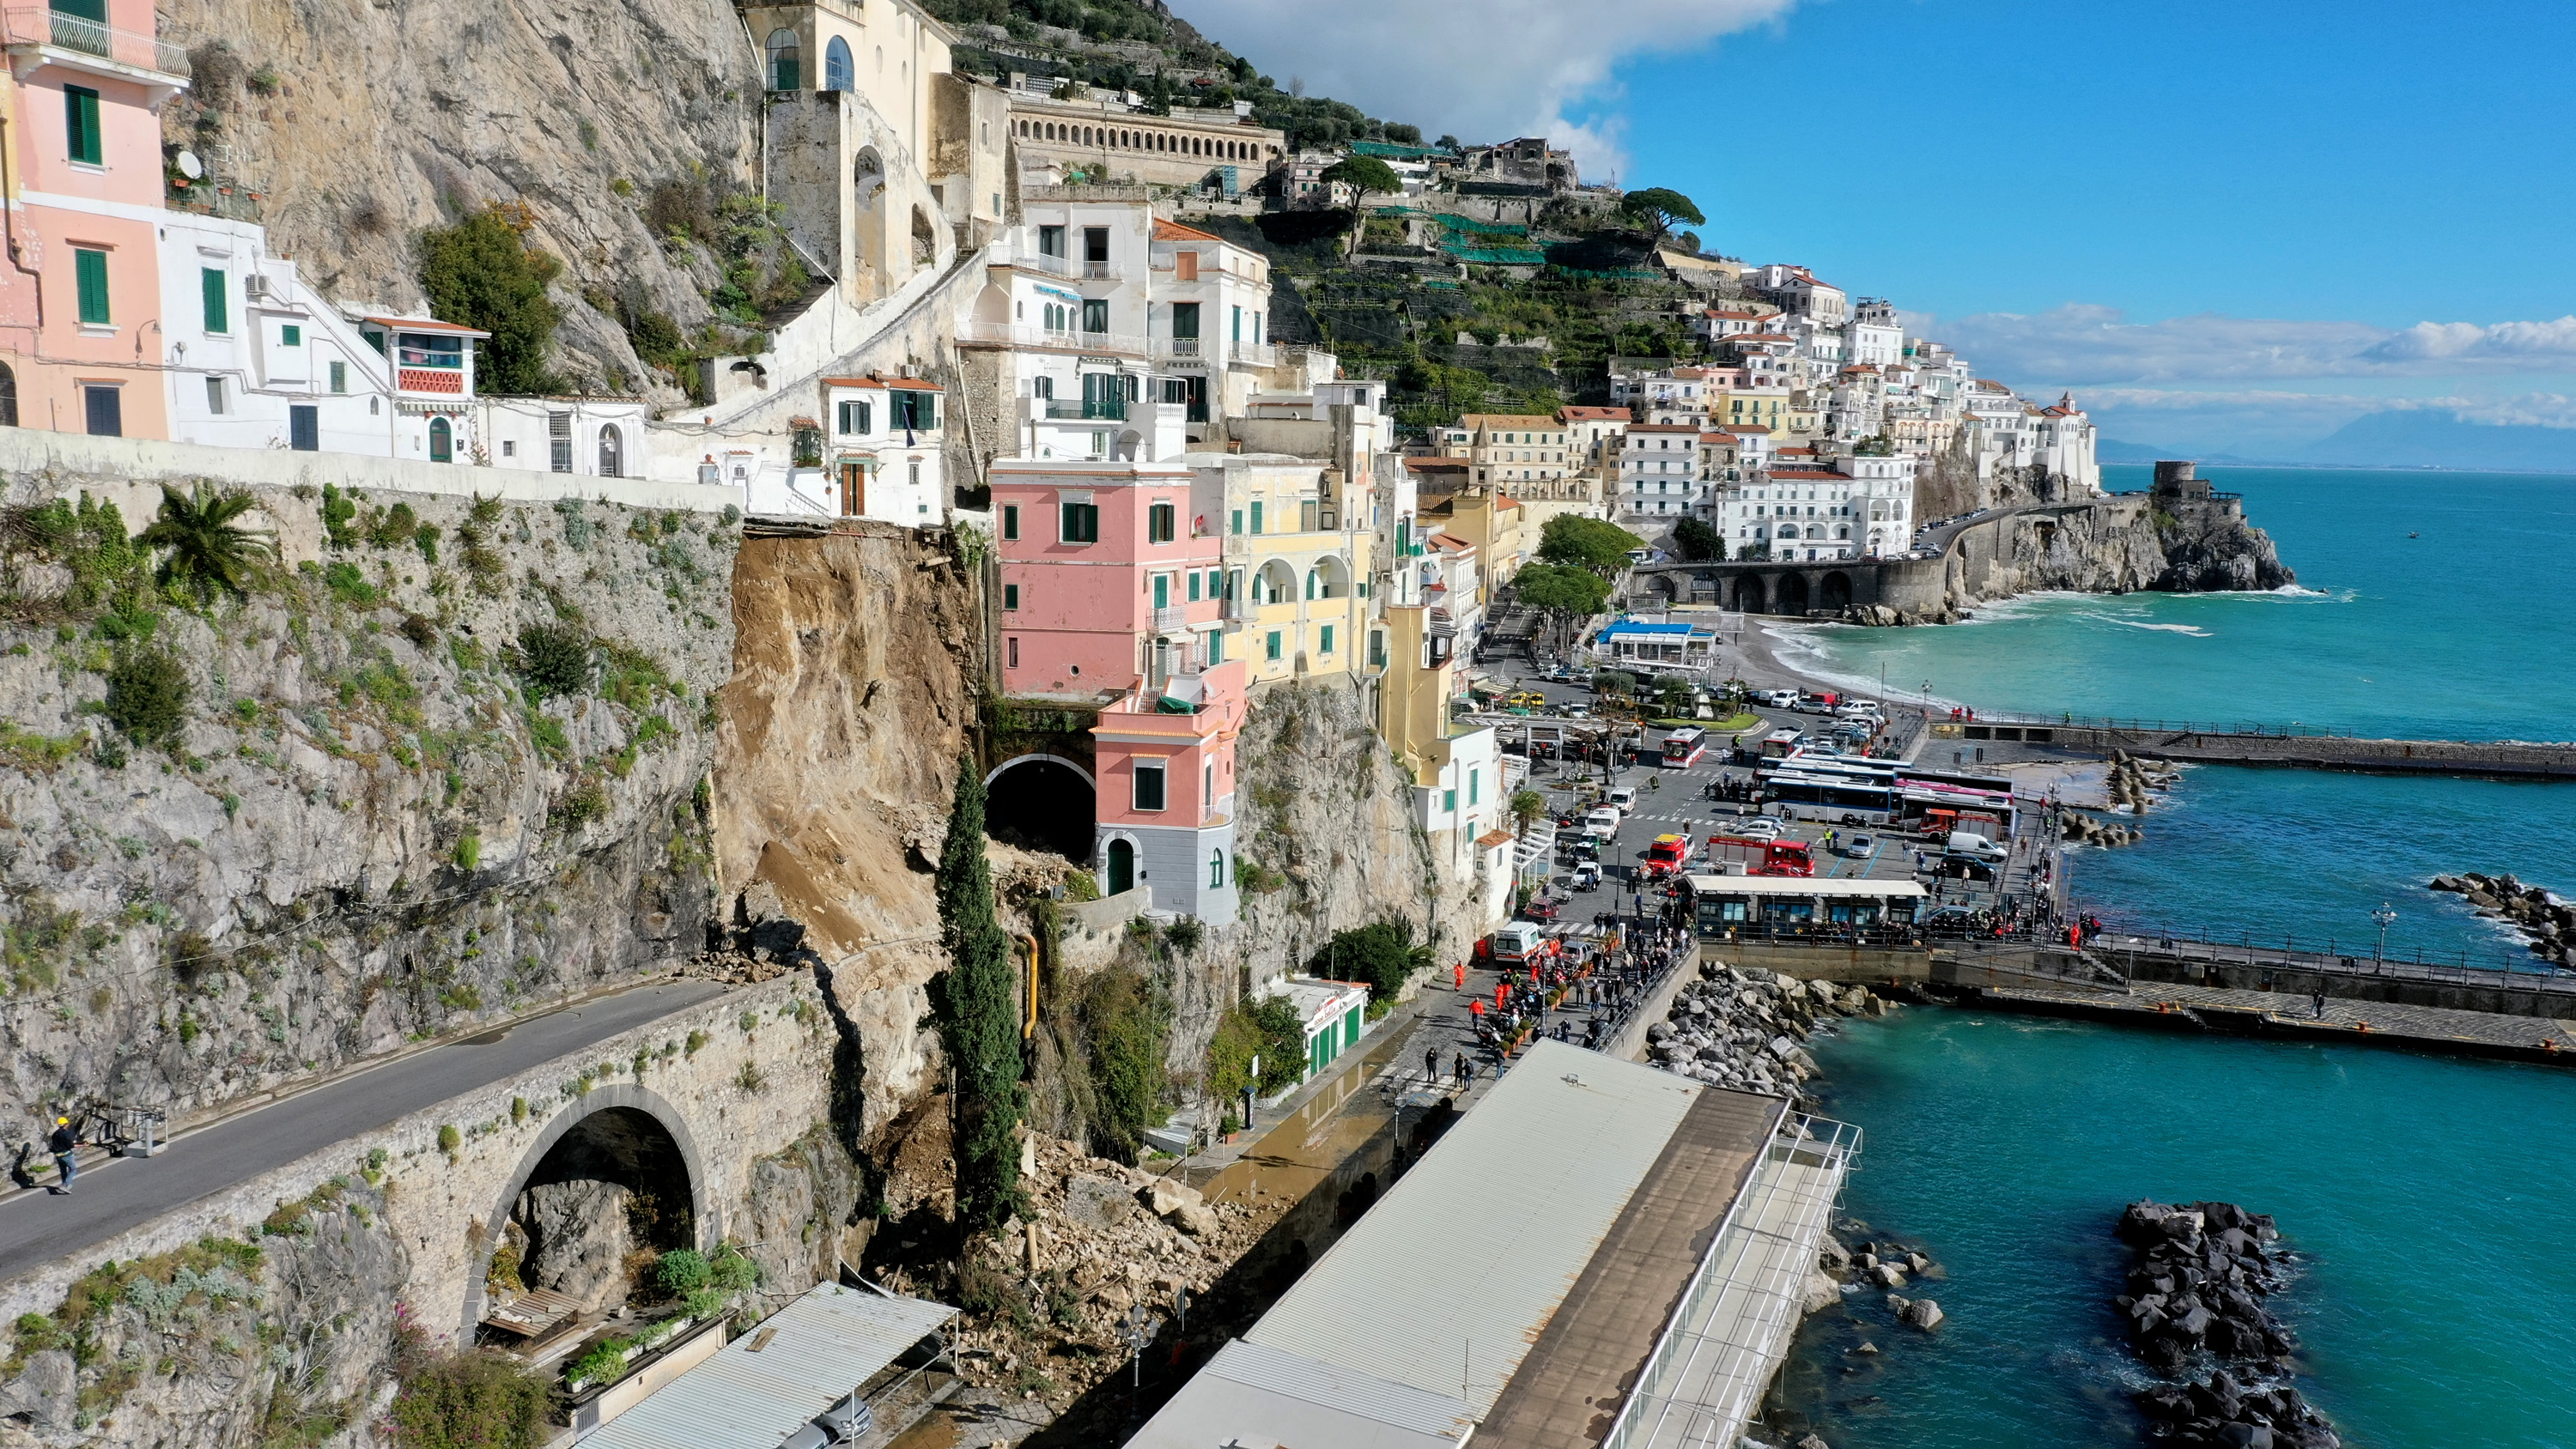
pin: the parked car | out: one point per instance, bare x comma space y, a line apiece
1758, 827
1858, 847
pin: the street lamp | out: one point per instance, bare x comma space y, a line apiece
2385, 915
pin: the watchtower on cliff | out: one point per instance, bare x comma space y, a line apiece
2181, 481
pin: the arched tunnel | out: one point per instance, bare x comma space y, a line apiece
1040, 802
613, 1187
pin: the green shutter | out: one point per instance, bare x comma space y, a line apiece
210, 282
89, 271
80, 124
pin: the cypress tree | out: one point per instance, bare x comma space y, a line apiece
978, 1021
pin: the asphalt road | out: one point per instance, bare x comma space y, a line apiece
38, 1226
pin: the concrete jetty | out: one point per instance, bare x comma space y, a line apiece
2285, 746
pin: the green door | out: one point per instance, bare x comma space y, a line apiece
1162, 591
1122, 867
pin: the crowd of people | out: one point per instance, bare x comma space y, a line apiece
1583, 993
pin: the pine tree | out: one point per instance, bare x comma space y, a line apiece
978, 1020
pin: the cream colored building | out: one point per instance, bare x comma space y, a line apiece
1107, 141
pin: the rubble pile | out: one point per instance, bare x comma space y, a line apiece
1743, 1028
2544, 920
2197, 1292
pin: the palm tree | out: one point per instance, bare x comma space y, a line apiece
1527, 806
209, 552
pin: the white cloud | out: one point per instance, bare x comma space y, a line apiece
2081, 344
1482, 71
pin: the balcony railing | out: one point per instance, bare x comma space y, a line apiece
1171, 617
1178, 347
1053, 266
1254, 354
1109, 409
1237, 608
32, 25
1015, 334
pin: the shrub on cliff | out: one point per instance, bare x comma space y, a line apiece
978, 1017
209, 553
147, 693
1382, 954
482, 272
554, 659
1126, 1027
1266, 1028
468, 1401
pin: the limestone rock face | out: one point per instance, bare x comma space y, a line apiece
361, 124
578, 1239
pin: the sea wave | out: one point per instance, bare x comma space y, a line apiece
2194, 630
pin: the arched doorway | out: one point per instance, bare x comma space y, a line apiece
1040, 802
442, 441
1748, 595
1793, 595
615, 1176
8, 396
612, 453
1122, 867
1835, 592
786, 69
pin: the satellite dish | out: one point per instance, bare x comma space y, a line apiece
190, 166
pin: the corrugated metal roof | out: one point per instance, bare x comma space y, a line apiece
1451, 1277
824, 1345
1283, 1398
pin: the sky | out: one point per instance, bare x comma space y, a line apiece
2230, 228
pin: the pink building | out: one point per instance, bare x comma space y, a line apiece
1111, 594
80, 295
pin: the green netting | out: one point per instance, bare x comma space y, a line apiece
1483, 228
1616, 274
1497, 256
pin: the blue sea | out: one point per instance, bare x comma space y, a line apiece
2426, 1195
2428, 606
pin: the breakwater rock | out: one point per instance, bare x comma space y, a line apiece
1744, 1029
2547, 922
2197, 1290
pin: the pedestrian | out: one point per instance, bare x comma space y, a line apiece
2318, 1001
61, 1145
1459, 973
1431, 1066
1461, 1064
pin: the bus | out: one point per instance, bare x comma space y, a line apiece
1726, 906
1684, 747
1830, 799
1782, 743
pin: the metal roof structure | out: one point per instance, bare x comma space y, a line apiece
1447, 1282
1251, 1394
1781, 885
801, 1360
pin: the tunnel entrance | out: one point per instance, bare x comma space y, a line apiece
612, 1194
1748, 595
1793, 595
1040, 802
1834, 593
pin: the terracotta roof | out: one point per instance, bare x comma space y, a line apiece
1664, 428
1436, 464
1592, 415
1505, 500
1447, 544
1742, 428
1506, 420
1492, 838
1174, 231
852, 382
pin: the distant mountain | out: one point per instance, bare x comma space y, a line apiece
2409, 438
2113, 450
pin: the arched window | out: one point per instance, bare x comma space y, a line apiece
8, 397
612, 453
442, 442
786, 62
1216, 869
838, 73
1314, 583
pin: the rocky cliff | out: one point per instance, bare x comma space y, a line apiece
360, 124
444, 761
2115, 546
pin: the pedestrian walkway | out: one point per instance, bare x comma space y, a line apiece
2276, 1012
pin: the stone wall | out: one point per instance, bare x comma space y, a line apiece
365, 829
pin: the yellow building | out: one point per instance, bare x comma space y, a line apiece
1509, 449
1491, 520
1297, 562
1759, 407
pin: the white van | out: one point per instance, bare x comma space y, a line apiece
1625, 797
1977, 847
1601, 821
1516, 940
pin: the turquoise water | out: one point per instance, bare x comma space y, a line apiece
2427, 1198
2462, 632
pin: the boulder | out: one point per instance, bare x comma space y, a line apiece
2245, 1436
1922, 1313
1832, 1256
1810, 1441
1888, 1275
1822, 1293
1916, 1262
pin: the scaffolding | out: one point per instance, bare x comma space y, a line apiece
1699, 1386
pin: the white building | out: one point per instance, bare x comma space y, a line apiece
1658, 475
1874, 337
1808, 514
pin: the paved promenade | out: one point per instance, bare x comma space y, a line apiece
2274, 1013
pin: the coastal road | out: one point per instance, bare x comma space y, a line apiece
38, 1226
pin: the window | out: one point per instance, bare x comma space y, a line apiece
1194, 586
1237, 334
1160, 520
510, 449
785, 61
215, 396
915, 410
1328, 639
1011, 522
1475, 786
1081, 523
838, 73
304, 428
1216, 858
1235, 521
89, 277
442, 441
1010, 596
1377, 649
1273, 643
80, 124
339, 377
290, 335
1012, 647
1095, 246
1095, 314
210, 287
1256, 516
1149, 785
612, 453
559, 442
1185, 268
1185, 317
1051, 241
854, 419
1449, 802
8, 396
103, 409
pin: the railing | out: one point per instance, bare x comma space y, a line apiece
1171, 617
45, 26
229, 202
1015, 334
1254, 354
2500, 967
1237, 608
1053, 266
1179, 347
1107, 409
1097, 271
2291, 731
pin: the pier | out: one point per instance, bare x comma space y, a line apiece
2290, 746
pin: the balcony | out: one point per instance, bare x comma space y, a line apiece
125, 50
1171, 619
1021, 335
1253, 354
1176, 347
1107, 409
1237, 609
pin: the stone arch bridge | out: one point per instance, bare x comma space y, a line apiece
682, 1107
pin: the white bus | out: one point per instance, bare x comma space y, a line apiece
1684, 747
